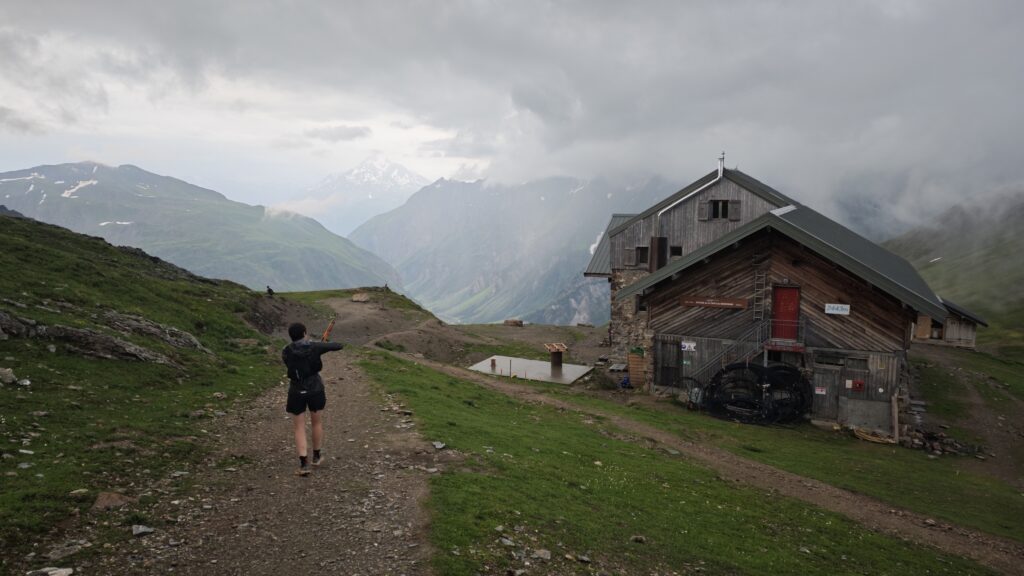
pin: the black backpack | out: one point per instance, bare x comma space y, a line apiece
302, 366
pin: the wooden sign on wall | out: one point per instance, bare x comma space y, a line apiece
711, 302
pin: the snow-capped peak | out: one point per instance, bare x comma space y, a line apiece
380, 172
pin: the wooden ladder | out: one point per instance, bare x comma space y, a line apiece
760, 287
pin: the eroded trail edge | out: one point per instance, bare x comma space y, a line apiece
998, 553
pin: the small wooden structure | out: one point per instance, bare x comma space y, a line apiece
959, 328
556, 349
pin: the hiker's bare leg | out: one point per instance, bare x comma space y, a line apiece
300, 434
318, 429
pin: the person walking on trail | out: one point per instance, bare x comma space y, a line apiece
306, 390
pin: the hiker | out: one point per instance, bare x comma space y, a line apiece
306, 390
270, 291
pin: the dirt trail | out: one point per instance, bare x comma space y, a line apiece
995, 425
998, 553
359, 513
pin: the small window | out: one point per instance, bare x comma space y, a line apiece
675, 250
857, 364
719, 209
828, 360
642, 254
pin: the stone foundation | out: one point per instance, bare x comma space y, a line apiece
628, 327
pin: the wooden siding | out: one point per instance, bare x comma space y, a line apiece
728, 275
877, 321
673, 366
959, 331
681, 226
832, 369
955, 331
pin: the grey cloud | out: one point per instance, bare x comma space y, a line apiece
339, 133
465, 144
818, 98
10, 120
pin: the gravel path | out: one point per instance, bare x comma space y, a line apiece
360, 513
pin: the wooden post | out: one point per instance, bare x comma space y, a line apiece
895, 407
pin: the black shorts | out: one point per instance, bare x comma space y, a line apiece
298, 402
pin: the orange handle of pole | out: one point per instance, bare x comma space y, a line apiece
327, 333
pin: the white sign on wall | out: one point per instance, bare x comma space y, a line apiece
843, 309
688, 346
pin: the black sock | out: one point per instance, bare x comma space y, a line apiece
302, 461
316, 454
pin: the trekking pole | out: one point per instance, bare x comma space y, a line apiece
327, 333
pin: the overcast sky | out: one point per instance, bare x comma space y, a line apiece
828, 101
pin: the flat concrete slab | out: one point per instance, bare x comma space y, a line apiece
531, 369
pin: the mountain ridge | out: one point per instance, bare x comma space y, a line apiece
194, 227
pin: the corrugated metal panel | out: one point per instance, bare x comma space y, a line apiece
600, 262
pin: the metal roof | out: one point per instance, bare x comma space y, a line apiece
600, 263
963, 312
882, 268
749, 183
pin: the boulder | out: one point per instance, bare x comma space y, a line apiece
111, 500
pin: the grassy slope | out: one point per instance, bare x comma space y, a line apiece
943, 488
557, 481
92, 403
197, 229
976, 258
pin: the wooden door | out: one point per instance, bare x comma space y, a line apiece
827, 384
785, 312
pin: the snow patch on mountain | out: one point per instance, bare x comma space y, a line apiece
32, 176
69, 193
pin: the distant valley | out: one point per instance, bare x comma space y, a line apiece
474, 252
193, 227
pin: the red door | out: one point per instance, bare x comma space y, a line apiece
785, 312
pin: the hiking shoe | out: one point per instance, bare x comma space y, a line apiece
317, 459
302, 471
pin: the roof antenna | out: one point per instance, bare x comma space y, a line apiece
721, 164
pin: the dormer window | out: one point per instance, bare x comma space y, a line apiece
719, 209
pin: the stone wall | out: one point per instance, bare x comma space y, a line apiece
628, 326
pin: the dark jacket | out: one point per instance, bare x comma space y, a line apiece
303, 361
